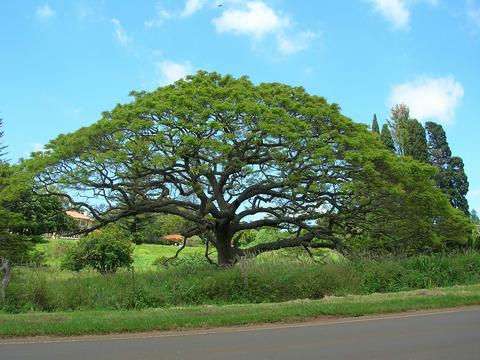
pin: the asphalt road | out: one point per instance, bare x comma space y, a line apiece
447, 334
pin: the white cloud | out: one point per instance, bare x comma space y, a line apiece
162, 16
429, 98
257, 20
395, 11
171, 71
398, 12
45, 12
288, 46
120, 33
191, 7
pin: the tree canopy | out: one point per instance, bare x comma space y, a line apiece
230, 156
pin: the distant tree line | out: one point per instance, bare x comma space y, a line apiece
24, 217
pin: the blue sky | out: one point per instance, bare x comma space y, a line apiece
64, 62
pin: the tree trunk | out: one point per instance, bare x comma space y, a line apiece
225, 251
226, 254
6, 268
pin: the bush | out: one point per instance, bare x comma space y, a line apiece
104, 250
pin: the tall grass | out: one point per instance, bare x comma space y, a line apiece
47, 289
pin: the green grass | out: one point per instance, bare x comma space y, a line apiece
144, 255
192, 283
101, 322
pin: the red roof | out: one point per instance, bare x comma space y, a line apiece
78, 215
173, 237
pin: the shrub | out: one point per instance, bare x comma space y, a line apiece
104, 250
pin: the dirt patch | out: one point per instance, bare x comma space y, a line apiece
432, 292
45, 320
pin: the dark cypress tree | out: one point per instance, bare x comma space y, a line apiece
415, 141
438, 149
375, 127
3, 148
387, 139
457, 184
451, 177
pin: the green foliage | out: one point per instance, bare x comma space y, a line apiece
104, 250
474, 217
15, 247
408, 134
150, 228
40, 214
387, 139
475, 237
416, 142
411, 216
262, 236
24, 216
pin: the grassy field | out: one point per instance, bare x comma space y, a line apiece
194, 282
102, 322
144, 255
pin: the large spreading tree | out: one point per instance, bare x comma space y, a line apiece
229, 156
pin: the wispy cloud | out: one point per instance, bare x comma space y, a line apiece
161, 16
257, 20
191, 7
430, 97
171, 71
291, 45
394, 11
45, 12
398, 12
120, 33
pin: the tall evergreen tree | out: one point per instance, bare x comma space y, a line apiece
3, 147
415, 144
408, 134
387, 139
438, 149
457, 184
399, 117
451, 177
375, 127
